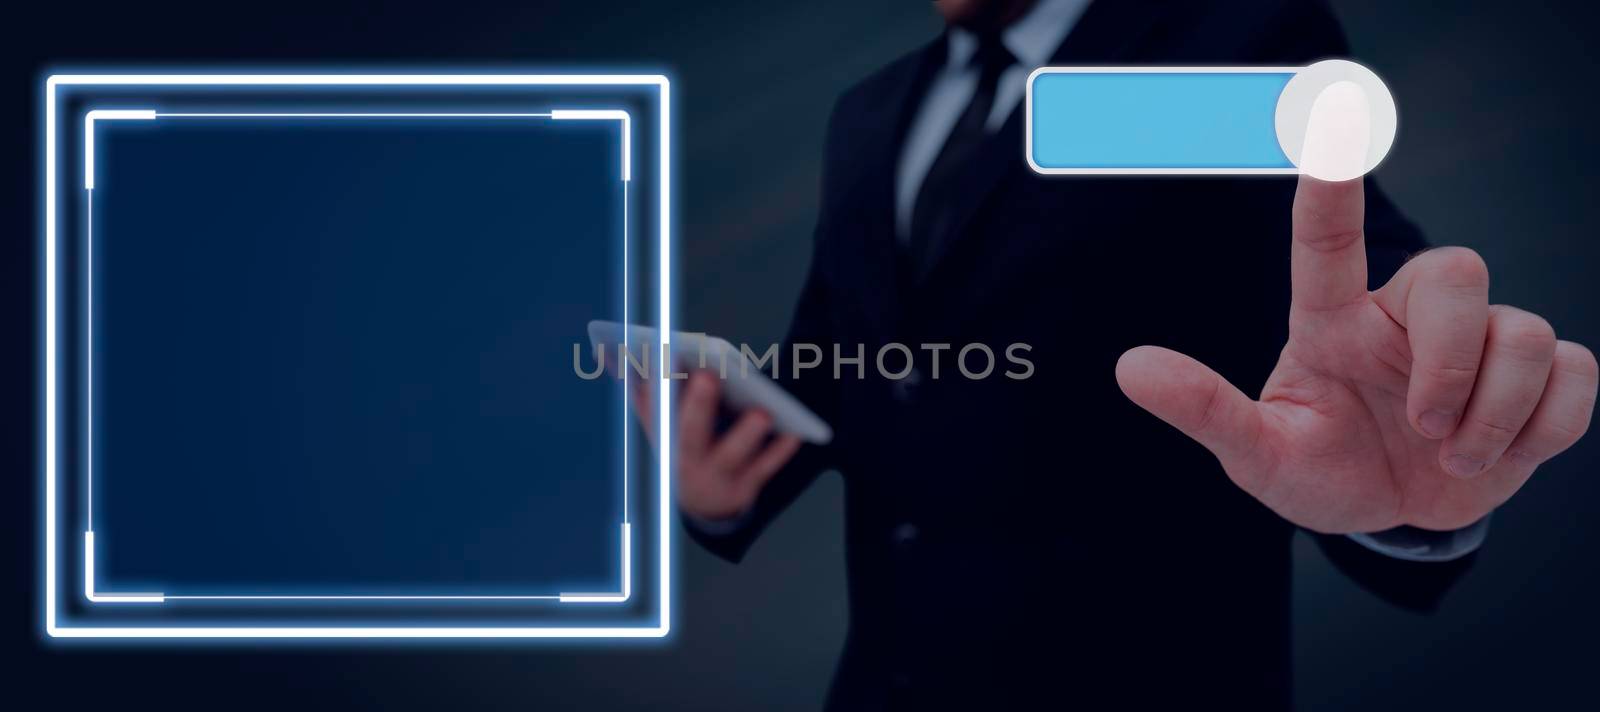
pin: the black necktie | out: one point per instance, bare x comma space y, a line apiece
933, 214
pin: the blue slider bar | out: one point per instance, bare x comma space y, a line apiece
1187, 120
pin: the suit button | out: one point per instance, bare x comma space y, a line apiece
904, 535
906, 388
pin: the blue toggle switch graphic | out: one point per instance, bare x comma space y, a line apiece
1333, 120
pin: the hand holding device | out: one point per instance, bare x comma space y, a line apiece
720, 470
719, 474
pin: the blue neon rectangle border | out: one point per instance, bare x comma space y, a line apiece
54, 629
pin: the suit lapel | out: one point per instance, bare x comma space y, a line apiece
1107, 31
887, 123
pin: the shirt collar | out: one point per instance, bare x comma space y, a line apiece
1033, 39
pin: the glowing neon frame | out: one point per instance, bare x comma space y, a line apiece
89, 168
52, 627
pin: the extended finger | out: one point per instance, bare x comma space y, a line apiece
1441, 298
1328, 258
1564, 410
1199, 402
1511, 379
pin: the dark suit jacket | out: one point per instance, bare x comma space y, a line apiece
1044, 540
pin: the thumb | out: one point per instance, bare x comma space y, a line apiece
1192, 398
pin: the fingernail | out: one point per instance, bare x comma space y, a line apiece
1437, 423
1463, 466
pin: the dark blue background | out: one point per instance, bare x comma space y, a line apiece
334, 356
1504, 159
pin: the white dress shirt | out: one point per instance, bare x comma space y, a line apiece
1033, 39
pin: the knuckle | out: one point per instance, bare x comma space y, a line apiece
1459, 267
1209, 413
1331, 237
1325, 224
1568, 434
1578, 360
1525, 334
1452, 374
1493, 429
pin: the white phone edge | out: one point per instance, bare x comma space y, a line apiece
744, 384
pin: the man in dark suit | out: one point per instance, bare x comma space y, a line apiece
1046, 540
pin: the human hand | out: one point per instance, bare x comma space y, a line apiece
719, 476
1419, 403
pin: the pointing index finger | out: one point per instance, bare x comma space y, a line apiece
1328, 259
